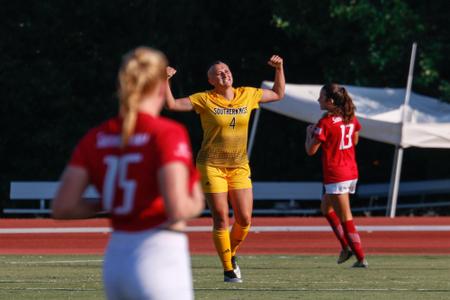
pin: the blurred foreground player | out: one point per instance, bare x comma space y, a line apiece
142, 166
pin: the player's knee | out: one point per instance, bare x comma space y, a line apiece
220, 220
244, 220
325, 209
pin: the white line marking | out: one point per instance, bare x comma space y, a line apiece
325, 290
54, 262
49, 289
250, 289
396, 228
56, 230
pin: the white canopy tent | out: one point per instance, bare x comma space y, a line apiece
380, 111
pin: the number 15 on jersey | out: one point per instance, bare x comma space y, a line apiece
116, 175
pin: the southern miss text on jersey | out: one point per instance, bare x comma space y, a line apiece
126, 177
225, 125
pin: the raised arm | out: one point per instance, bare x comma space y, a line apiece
312, 145
277, 91
181, 104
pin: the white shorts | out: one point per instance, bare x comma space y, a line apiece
342, 187
151, 264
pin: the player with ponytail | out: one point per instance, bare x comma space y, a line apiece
338, 133
141, 165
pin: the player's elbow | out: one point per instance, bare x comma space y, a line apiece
170, 105
310, 151
278, 95
59, 210
190, 209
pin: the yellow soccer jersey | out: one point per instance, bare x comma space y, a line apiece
225, 125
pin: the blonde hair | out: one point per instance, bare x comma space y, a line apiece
141, 71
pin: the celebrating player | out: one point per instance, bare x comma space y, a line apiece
337, 133
142, 166
222, 160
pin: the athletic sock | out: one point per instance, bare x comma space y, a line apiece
336, 225
237, 236
221, 239
353, 239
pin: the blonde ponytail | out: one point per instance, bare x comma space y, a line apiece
141, 71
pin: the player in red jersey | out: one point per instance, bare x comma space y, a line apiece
142, 166
337, 133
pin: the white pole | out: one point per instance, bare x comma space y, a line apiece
395, 182
398, 158
253, 133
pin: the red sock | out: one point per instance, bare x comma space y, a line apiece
354, 241
335, 223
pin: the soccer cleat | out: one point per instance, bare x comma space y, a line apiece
236, 268
344, 255
361, 264
230, 276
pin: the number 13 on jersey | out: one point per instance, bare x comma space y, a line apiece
346, 136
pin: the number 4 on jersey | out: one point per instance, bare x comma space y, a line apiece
233, 122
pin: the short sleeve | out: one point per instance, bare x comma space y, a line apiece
198, 101
174, 145
320, 131
254, 95
80, 154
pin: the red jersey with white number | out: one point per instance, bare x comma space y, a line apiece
127, 178
338, 148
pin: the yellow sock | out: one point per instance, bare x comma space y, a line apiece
221, 239
237, 236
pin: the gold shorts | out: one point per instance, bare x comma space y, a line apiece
223, 179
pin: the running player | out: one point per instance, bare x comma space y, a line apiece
337, 133
222, 160
142, 166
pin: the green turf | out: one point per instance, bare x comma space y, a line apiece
265, 277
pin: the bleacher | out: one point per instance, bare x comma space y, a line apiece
271, 198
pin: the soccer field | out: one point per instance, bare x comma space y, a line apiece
265, 277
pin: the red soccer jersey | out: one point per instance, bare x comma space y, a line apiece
338, 147
127, 178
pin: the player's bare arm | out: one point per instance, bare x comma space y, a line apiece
312, 145
277, 91
68, 202
180, 204
356, 138
180, 104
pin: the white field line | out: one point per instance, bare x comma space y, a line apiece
50, 289
398, 228
326, 290
247, 289
251, 289
54, 262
